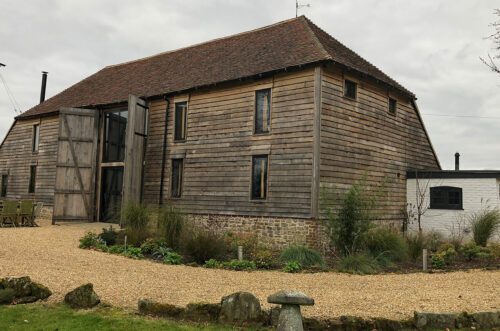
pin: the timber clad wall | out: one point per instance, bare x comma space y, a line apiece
16, 156
220, 143
360, 136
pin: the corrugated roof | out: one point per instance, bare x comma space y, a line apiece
282, 45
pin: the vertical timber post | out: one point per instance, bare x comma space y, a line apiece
424, 259
316, 144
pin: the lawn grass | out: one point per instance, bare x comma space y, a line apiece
45, 317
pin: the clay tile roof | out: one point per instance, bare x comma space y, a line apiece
282, 45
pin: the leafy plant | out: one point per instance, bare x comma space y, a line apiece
383, 241
133, 252
292, 266
212, 264
263, 259
347, 225
437, 261
484, 224
433, 240
359, 264
448, 252
303, 255
173, 259
415, 243
470, 251
162, 252
137, 217
202, 246
171, 222
239, 265
102, 248
109, 235
116, 249
149, 246
90, 240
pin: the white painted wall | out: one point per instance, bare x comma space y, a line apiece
476, 194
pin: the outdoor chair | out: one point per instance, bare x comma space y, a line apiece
36, 213
8, 215
26, 212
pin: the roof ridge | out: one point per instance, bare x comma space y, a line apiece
316, 41
206, 42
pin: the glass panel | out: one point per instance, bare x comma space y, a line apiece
115, 125
180, 120
36, 137
176, 178
454, 198
350, 89
4, 185
31, 188
259, 177
392, 106
111, 194
262, 111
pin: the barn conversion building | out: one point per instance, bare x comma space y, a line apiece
244, 130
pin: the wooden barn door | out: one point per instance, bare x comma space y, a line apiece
76, 165
135, 144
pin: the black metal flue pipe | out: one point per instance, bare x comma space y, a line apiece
44, 86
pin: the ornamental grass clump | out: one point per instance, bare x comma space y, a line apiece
302, 255
359, 264
171, 223
386, 243
137, 217
484, 223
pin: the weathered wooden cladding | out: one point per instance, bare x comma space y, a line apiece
16, 156
220, 143
360, 136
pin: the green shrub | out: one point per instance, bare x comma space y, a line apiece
484, 224
116, 249
161, 242
149, 246
415, 243
239, 265
248, 241
494, 251
212, 264
359, 264
292, 266
171, 223
109, 235
173, 259
433, 240
303, 255
202, 246
133, 253
470, 251
448, 252
137, 217
263, 259
162, 252
386, 242
90, 240
102, 248
347, 225
437, 261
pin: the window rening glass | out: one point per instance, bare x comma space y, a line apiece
36, 137
32, 183
115, 125
350, 89
445, 197
392, 106
259, 177
4, 185
177, 170
180, 121
262, 111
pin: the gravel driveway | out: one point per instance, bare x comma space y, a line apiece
50, 255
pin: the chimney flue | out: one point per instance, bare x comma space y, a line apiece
44, 85
457, 161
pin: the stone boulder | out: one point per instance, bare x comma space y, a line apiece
431, 320
23, 290
240, 308
7, 296
82, 297
201, 312
40, 291
148, 307
21, 286
487, 319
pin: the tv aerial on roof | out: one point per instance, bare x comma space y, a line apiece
298, 6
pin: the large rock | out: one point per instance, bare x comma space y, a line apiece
7, 296
21, 286
240, 308
25, 291
82, 297
425, 320
201, 312
148, 307
40, 291
487, 319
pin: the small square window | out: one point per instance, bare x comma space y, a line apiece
392, 106
180, 121
262, 111
177, 169
350, 89
36, 137
445, 197
4, 185
259, 177
32, 183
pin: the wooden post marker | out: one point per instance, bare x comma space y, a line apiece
424, 259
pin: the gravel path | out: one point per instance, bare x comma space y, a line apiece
50, 255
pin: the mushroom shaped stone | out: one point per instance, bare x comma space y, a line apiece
290, 318
289, 297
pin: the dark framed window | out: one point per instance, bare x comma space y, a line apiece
115, 125
177, 170
36, 137
5, 179
350, 89
180, 121
392, 106
32, 183
446, 197
259, 177
262, 111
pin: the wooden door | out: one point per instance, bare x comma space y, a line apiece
135, 142
76, 165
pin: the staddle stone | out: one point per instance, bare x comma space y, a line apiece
289, 297
290, 318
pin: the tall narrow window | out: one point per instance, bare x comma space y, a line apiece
180, 121
115, 124
36, 137
177, 169
259, 177
392, 106
31, 188
262, 111
4, 185
350, 89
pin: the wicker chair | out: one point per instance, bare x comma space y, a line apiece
9, 215
26, 212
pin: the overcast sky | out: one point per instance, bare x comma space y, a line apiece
432, 47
